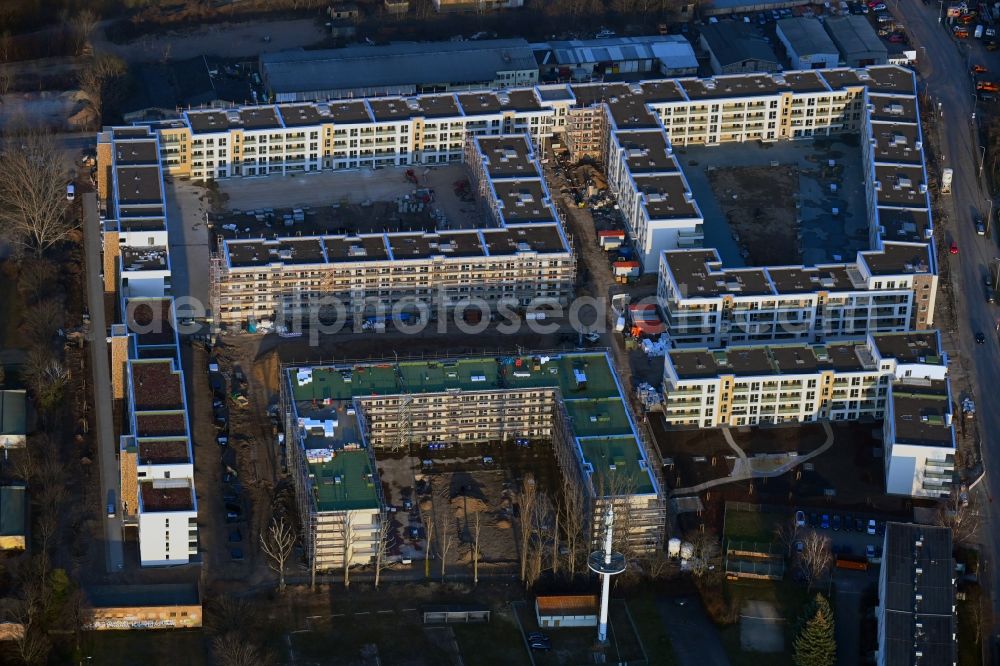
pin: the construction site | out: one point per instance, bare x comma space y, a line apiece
348, 202
457, 437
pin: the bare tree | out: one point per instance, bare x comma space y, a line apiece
82, 26
5, 82
381, 544
31, 642
348, 538
277, 543
525, 499
36, 278
958, 514
446, 541
233, 649
571, 508
787, 533
46, 377
427, 520
101, 81
33, 216
705, 546
656, 564
42, 320
816, 557
476, 526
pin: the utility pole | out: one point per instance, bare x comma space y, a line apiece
989, 218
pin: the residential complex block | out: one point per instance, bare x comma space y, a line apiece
612, 121
147, 384
338, 418
524, 258
795, 382
887, 290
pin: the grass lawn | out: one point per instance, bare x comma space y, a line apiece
649, 624
496, 643
397, 641
144, 648
752, 525
788, 597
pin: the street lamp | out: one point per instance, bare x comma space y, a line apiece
989, 217
982, 158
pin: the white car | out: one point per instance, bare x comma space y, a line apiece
871, 527
800, 519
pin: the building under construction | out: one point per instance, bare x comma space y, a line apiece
336, 414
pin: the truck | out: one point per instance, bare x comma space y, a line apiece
946, 177
854, 562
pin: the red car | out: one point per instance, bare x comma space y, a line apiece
954, 248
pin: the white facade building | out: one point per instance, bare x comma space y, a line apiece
793, 382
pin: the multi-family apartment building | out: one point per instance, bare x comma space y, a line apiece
156, 481
919, 438
348, 413
524, 258
590, 119
884, 290
916, 597
795, 382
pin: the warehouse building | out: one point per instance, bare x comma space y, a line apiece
735, 47
916, 597
338, 417
857, 41
397, 69
132, 607
13, 418
807, 44
584, 59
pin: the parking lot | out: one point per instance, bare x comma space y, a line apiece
849, 533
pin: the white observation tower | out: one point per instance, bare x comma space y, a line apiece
606, 564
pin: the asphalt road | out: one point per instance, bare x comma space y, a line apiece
114, 552
945, 70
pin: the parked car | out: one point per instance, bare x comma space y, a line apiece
880, 528
800, 519
538, 636
825, 522
954, 248
836, 522
848, 523
236, 554
879, 7
980, 225
813, 520
980, 338
859, 525
871, 527
540, 646
870, 551
232, 517
799, 546
235, 536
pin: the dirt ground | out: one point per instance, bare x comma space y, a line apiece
356, 195
760, 208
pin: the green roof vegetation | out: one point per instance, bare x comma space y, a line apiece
592, 418
469, 374
623, 454
344, 483
586, 382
